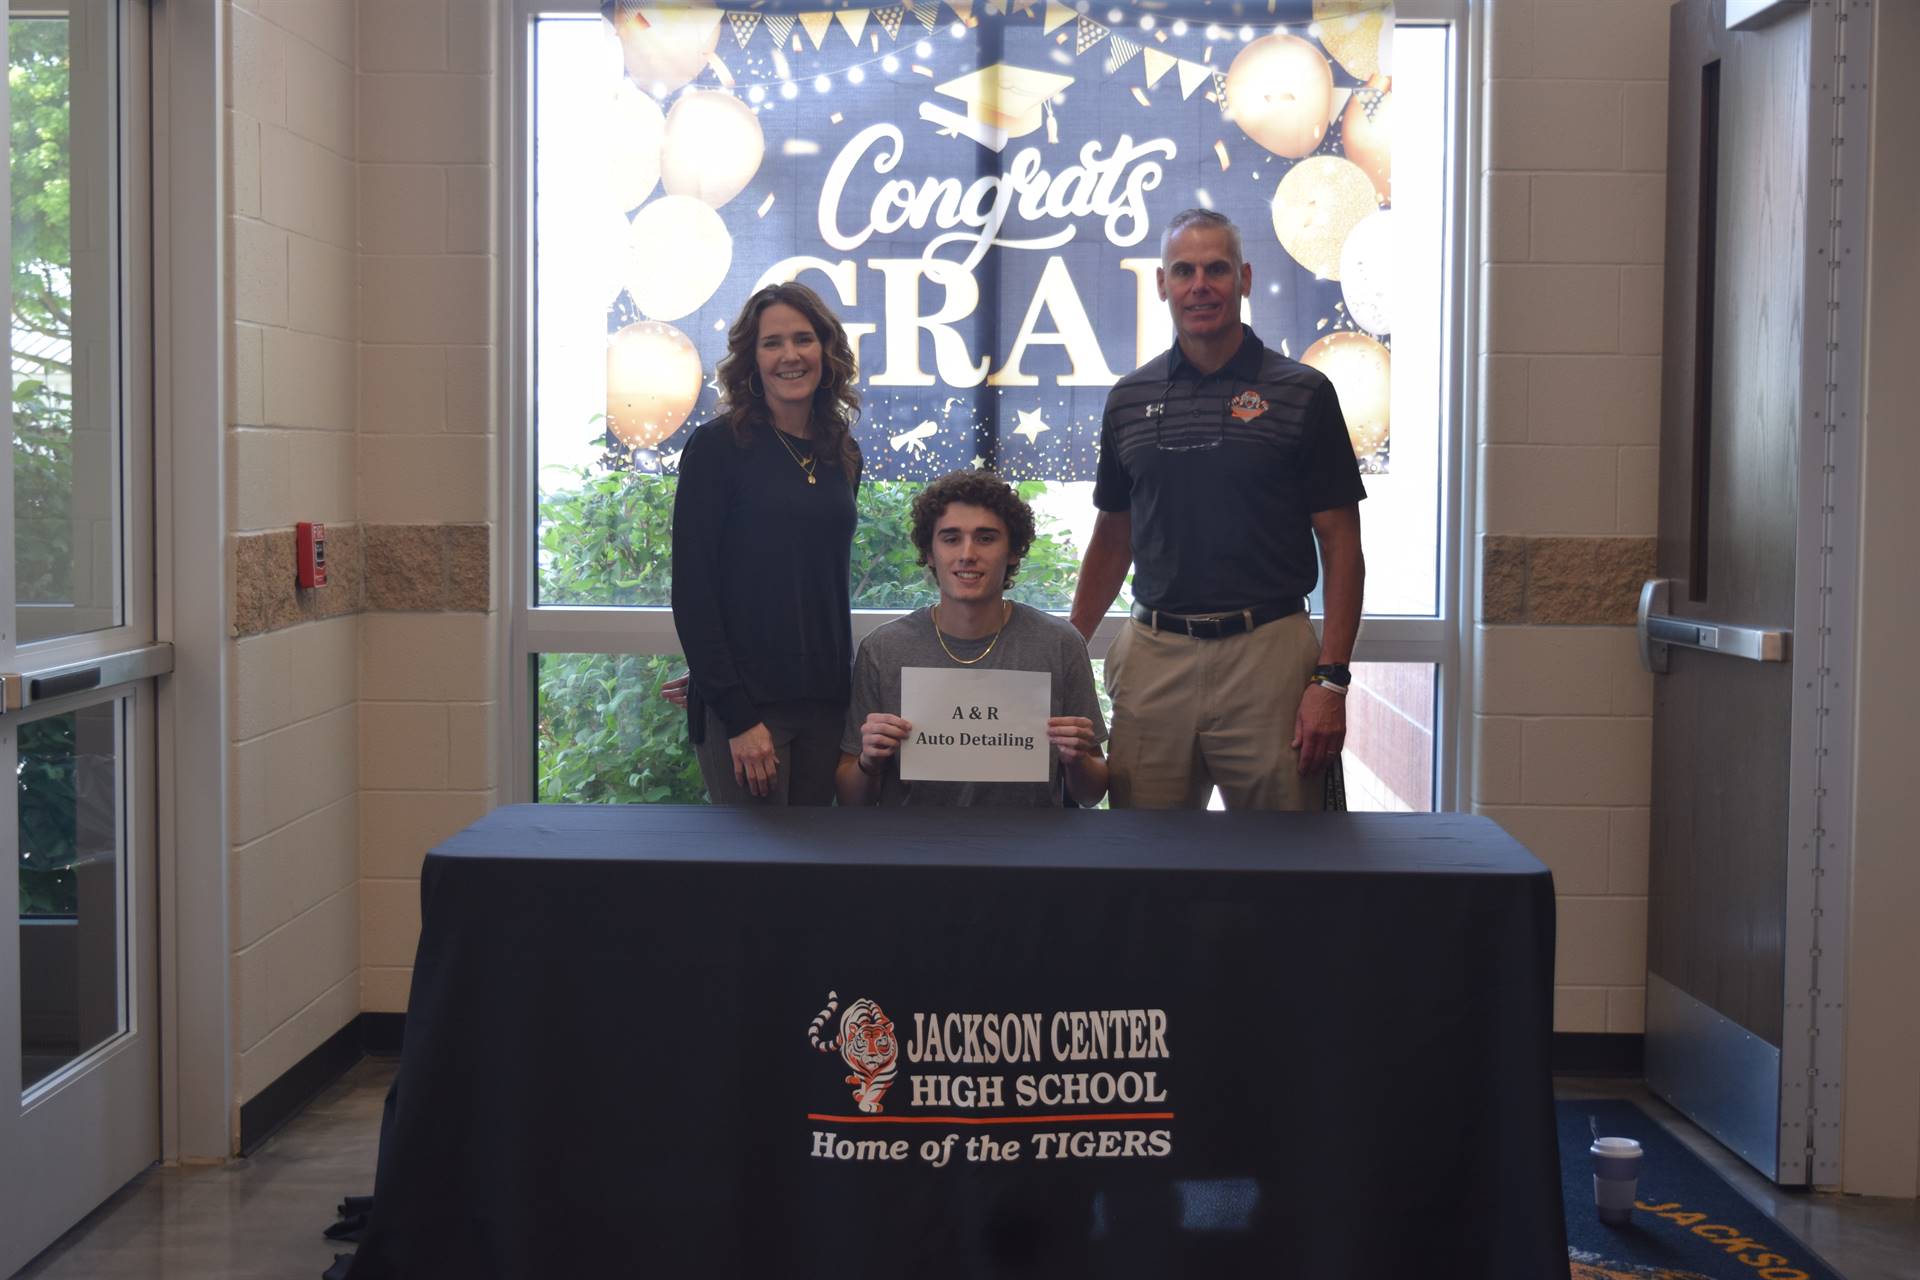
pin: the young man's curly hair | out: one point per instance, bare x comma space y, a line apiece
975, 489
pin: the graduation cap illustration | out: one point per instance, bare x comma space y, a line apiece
1003, 102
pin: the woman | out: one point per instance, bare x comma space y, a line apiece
762, 535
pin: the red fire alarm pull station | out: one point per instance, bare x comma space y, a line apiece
310, 553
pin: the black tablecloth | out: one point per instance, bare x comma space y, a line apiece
1331, 1041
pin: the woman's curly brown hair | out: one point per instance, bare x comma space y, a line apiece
836, 402
974, 489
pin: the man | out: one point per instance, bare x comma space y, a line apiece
1222, 463
971, 529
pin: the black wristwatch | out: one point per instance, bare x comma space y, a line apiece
1334, 673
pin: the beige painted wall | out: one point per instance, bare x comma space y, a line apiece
1573, 189
428, 251
291, 456
361, 259
1881, 1140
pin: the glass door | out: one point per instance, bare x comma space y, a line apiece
79, 1068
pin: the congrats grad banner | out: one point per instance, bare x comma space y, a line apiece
978, 189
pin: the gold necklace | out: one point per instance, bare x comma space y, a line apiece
805, 464
1006, 615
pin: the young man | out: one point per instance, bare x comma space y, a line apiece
1222, 464
972, 529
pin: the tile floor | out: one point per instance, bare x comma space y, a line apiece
250, 1219
262, 1216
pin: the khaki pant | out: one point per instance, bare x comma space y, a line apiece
1190, 715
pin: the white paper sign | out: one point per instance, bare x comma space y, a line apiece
975, 726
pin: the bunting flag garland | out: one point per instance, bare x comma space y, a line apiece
928, 11
1220, 89
962, 9
817, 25
1086, 34
889, 19
854, 21
1058, 15
743, 25
1026, 6
1192, 76
779, 24
1120, 51
1158, 64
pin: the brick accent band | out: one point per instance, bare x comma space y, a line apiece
1544, 581
428, 568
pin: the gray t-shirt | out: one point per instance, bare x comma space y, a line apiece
1031, 641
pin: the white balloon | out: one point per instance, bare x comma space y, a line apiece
1366, 272
713, 146
667, 45
635, 128
678, 252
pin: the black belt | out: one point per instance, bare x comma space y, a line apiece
1216, 626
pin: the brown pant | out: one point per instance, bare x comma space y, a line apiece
806, 737
1190, 715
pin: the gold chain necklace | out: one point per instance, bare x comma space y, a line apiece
805, 464
1006, 615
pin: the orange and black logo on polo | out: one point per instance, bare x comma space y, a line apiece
1247, 406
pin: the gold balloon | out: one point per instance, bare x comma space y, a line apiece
1317, 203
678, 252
635, 128
713, 147
1280, 93
665, 46
1366, 133
1353, 34
653, 381
1361, 371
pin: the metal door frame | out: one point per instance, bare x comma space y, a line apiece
1826, 604
113, 1087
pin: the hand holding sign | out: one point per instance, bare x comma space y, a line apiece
1073, 737
880, 737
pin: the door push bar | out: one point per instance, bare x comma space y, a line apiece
20, 690
1660, 632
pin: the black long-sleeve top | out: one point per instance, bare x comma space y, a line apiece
760, 573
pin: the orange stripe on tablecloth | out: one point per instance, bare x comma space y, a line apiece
1074, 1119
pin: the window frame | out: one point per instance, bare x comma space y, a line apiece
528, 630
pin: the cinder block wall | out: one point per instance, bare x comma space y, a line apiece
361, 247
291, 456
1573, 190
428, 723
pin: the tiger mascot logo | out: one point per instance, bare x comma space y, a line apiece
867, 1045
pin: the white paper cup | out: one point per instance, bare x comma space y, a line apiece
1616, 1177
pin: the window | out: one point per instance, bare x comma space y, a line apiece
980, 196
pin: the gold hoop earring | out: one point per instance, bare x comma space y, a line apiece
759, 392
